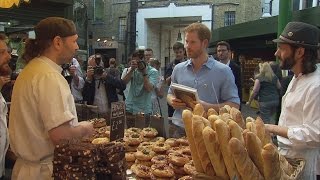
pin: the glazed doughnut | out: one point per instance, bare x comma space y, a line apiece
178, 159
129, 156
145, 154
149, 132
133, 129
145, 163
141, 170
172, 142
134, 139
174, 149
162, 170
158, 139
178, 169
160, 147
189, 168
145, 145
160, 159
185, 178
183, 141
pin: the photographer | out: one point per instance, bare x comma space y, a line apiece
143, 79
77, 81
100, 88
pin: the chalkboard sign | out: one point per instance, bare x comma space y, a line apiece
117, 120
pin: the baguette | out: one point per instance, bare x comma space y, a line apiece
249, 119
197, 128
223, 110
198, 110
254, 149
212, 119
237, 117
286, 167
236, 131
206, 122
225, 117
211, 111
223, 134
187, 119
252, 127
261, 131
244, 164
271, 162
213, 148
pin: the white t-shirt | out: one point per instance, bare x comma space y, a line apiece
4, 136
41, 101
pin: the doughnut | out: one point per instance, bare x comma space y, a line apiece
134, 129
178, 159
107, 133
153, 177
129, 156
98, 122
149, 132
145, 163
141, 170
174, 149
189, 168
160, 159
160, 147
162, 170
130, 148
178, 169
134, 139
147, 139
185, 178
158, 139
100, 140
183, 141
145, 154
186, 151
172, 142
145, 145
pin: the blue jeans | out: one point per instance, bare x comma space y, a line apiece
268, 110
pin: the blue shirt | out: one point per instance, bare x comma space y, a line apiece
139, 99
214, 82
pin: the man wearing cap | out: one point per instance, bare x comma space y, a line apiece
43, 111
299, 123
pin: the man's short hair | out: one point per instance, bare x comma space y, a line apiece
202, 30
224, 43
148, 49
177, 46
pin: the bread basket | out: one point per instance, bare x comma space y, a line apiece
298, 164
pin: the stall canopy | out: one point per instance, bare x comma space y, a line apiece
11, 3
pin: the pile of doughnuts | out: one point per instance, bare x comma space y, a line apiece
151, 157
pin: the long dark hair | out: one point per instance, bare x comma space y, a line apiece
34, 48
309, 59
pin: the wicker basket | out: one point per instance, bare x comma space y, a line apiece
298, 164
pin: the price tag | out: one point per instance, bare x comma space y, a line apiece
117, 120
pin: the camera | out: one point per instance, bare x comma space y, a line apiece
65, 72
98, 70
141, 65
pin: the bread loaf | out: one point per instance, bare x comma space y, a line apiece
237, 117
213, 148
225, 116
223, 134
252, 127
197, 128
249, 119
236, 131
187, 119
285, 166
211, 111
254, 149
271, 162
223, 110
206, 122
212, 119
261, 131
244, 164
198, 110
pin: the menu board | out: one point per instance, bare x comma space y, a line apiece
117, 120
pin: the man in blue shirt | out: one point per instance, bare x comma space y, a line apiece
213, 80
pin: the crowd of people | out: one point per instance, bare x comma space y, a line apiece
43, 109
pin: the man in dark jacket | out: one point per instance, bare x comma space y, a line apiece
100, 88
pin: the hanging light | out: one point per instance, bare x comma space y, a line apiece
179, 38
10, 3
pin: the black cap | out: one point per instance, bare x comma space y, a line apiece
54, 26
299, 33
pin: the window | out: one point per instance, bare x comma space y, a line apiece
122, 28
295, 5
98, 9
229, 18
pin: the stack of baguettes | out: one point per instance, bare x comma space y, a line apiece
224, 146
